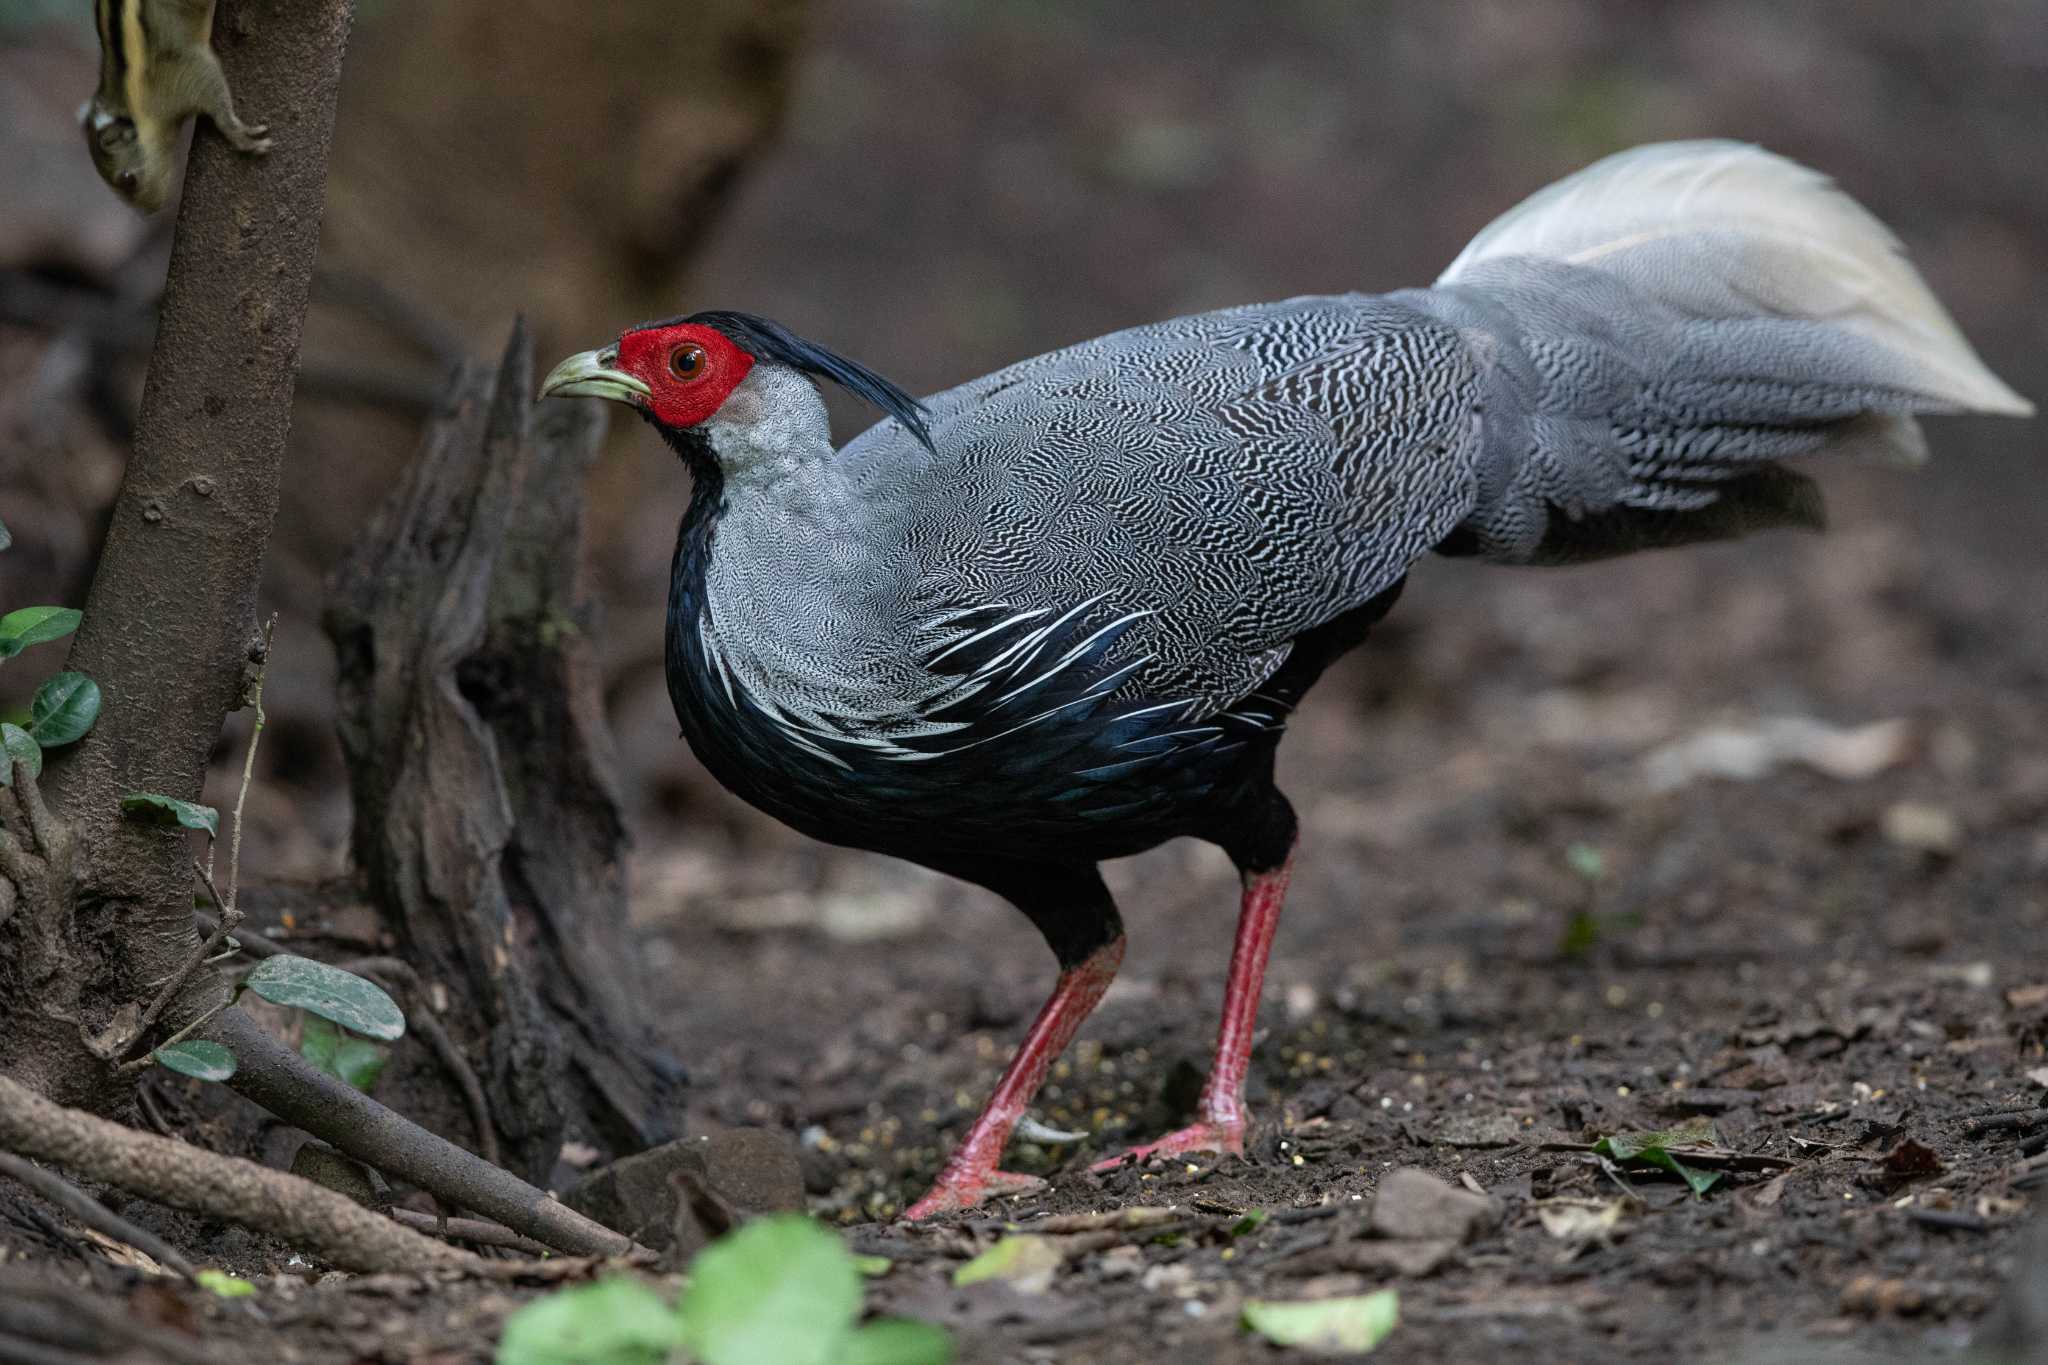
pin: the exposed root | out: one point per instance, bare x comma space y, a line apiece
198, 1181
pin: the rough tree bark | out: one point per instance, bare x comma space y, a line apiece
486, 823
170, 619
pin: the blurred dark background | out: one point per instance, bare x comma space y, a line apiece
937, 188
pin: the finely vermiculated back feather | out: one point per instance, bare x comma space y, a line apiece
1724, 229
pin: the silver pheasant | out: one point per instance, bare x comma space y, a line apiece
1062, 613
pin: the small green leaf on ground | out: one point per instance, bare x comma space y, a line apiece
1025, 1260
872, 1267
169, 810
197, 1058
226, 1285
1663, 1149
18, 746
64, 709
1343, 1326
618, 1321
1252, 1221
1581, 935
35, 626
357, 1005
339, 1053
1586, 860
780, 1289
897, 1341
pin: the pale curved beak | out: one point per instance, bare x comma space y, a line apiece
595, 374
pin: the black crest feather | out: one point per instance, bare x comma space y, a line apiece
771, 341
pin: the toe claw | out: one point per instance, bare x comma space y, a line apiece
1218, 1138
953, 1192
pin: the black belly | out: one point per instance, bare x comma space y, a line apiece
1099, 779
1099, 782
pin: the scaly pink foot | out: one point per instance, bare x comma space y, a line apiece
951, 1191
1206, 1136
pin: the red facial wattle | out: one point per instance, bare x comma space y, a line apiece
689, 370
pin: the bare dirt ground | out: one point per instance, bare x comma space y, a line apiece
1528, 914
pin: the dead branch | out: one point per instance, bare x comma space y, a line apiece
405, 983
287, 1085
198, 1181
92, 1213
474, 1230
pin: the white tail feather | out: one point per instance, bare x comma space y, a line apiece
1725, 229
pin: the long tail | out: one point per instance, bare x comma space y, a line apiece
1657, 331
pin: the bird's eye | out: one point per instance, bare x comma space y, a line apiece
687, 362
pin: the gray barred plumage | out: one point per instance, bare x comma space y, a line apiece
1620, 362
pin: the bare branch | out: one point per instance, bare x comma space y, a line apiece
230, 914
473, 1230
290, 1087
422, 1021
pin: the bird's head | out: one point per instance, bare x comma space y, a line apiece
730, 387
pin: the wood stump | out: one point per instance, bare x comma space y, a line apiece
487, 827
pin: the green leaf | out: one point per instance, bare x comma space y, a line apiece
226, 1285
780, 1289
1586, 860
18, 746
169, 810
35, 626
873, 1267
1344, 1326
357, 1005
64, 709
339, 1053
1663, 1150
1026, 1260
897, 1341
197, 1058
1250, 1223
617, 1321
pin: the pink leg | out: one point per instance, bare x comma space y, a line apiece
1220, 1128
970, 1174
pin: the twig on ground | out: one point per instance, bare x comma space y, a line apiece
281, 1081
422, 1021
43, 1314
170, 1172
151, 1111
2017, 1119
92, 1213
1949, 1220
473, 1230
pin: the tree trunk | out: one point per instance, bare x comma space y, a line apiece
170, 621
486, 824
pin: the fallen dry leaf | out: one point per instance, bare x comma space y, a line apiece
1025, 1262
1920, 825
1746, 753
1581, 1222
